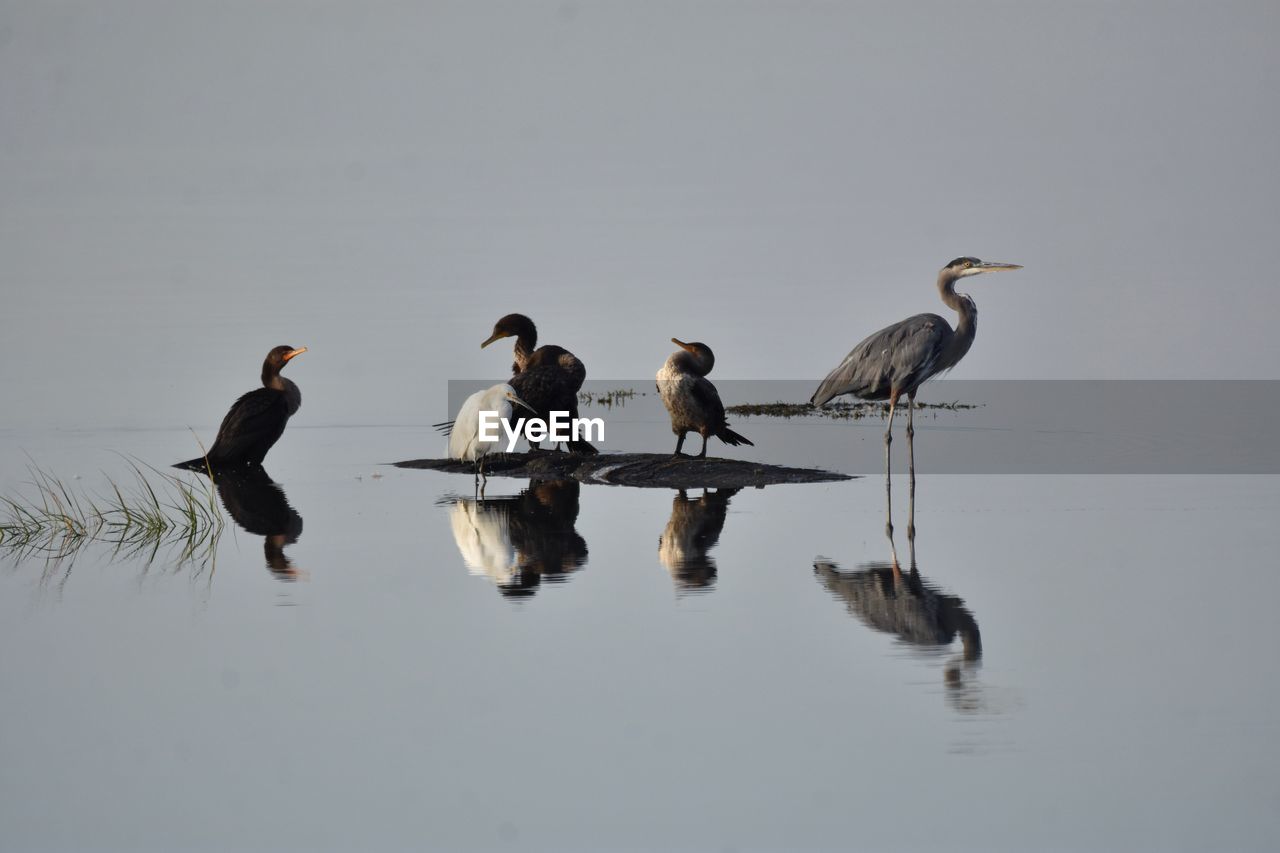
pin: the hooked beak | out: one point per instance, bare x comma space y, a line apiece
513, 398
496, 336
291, 353
682, 345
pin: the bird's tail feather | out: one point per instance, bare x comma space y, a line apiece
581, 446
197, 464
728, 436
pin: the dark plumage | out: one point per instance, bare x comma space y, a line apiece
691, 400
548, 378
260, 507
257, 420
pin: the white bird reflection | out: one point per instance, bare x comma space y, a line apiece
519, 541
691, 532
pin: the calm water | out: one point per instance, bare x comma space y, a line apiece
1076, 652
1078, 662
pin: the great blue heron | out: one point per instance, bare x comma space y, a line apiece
691, 400
548, 377
899, 359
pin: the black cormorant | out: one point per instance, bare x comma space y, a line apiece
256, 420
548, 378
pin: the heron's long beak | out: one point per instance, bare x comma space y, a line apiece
291, 353
496, 336
682, 345
513, 398
991, 266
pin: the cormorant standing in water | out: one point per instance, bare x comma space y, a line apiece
548, 378
691, 399
256, 421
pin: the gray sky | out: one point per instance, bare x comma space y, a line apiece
184, 185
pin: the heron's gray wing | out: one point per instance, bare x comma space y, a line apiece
899, 356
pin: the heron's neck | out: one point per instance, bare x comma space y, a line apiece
967, 323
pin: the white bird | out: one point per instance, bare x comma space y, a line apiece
465, 442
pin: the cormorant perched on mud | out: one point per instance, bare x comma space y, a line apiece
256, 421
691, 399
548, 378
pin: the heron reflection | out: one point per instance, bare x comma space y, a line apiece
691, 532
520, 541
259, 506
887, 598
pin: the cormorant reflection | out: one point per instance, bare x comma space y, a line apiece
886, 598
519, 541
259, 506
693, 530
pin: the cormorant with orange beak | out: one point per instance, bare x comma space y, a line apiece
256, 421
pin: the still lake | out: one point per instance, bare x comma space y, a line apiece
1081, 661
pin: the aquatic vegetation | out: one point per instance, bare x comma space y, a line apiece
838, 410
156, 510
608, 399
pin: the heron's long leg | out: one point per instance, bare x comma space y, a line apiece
679, 443
703, 453
911, 435
888, 509
888, 437
888, 529
911, 525
911, 467
888, 482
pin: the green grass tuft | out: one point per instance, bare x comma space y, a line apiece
154, 509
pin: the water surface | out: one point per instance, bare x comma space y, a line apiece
1075, 661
